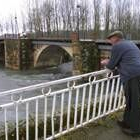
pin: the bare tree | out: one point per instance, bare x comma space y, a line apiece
107, 16
1, 28
12, 24
7, 26
96, 17
61, 17
47, 13
84, 14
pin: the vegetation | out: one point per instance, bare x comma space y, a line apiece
91, 18
90, 61
22, 125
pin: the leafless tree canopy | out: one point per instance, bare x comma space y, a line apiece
90, 18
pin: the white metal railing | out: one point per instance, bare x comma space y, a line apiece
59, 106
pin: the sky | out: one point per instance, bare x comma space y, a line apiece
10, 7
14, 8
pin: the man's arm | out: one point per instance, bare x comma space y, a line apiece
116, 56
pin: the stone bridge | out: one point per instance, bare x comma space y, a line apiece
24, 53
32, 53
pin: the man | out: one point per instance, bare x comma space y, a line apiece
125, 55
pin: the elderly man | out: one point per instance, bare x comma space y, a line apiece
125, 55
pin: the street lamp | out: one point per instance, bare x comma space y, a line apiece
78, 18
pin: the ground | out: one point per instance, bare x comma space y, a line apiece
104, 129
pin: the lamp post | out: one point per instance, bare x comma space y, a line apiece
78, 18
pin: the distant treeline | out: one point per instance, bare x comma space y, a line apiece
90, 18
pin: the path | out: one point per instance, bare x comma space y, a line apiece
104, 129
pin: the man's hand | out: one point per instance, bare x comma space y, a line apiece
104, 62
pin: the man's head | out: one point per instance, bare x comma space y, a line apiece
115, 37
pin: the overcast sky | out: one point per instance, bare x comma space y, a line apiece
10, 7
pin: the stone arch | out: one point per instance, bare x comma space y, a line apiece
40, 49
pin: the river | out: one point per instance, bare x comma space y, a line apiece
10, 79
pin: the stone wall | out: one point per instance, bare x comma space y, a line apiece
90, 56
18, 54
86, 56
77, 61
12, 54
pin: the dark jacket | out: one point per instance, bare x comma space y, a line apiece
125, 55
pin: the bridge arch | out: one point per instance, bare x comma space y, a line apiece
43, 53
